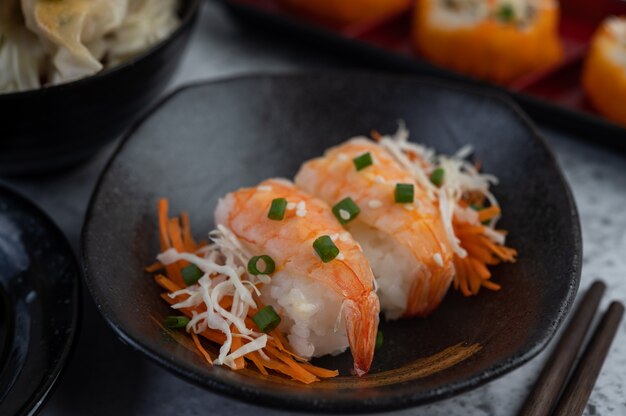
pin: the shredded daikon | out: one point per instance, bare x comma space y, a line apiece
222, 262
461, 179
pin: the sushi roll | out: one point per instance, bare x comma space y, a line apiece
496, 40
393, 218
322, 286
348, 11
604, 74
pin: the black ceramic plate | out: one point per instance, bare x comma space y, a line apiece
39, 304
209, 139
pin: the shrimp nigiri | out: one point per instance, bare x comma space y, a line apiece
405, 242
326, 299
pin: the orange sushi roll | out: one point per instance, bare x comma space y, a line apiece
496, 40
604, 74
348, 11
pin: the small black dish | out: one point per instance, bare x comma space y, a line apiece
208, 139
54, 127
39, 304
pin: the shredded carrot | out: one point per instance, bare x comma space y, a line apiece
480, 253
472, 272
226, 302
320, 372
154, 267
298, 372
176, 233
163, 234
234, 346
491, 285
190, 245
214, 336
488, 213
461, 280
173, 272
166, 283
176, 238
258, 363
201, 348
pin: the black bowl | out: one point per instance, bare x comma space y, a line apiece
53, 127
212, 138
39, 304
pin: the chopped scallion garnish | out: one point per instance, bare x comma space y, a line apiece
404, 192
346, 210
325, 248
438, 176
506, 13
269, 268
363, 161
266, 319
379, 339
176, 321
191, 274
477, 207
277, 210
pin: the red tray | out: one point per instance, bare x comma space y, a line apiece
553, 97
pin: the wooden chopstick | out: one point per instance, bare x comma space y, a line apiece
578, 390
547, 389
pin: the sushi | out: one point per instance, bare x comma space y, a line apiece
604, 73
296, 271
280, 253
405, 242
410, 211
348, 11
496, 40
322, 274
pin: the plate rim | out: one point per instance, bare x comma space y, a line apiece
388, 403
43, 391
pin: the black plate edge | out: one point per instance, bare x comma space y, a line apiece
387, 404
45, 391
586, 126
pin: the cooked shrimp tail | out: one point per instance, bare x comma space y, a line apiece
362, 326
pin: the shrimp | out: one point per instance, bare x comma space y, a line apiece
346, 283
406, 243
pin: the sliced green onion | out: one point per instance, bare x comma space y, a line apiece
506, 13
346, 210
363, 161
438, 176
404, 192
277, 210
379, 339
270, 266
325, 248
191, 274
266, 319
176, 321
